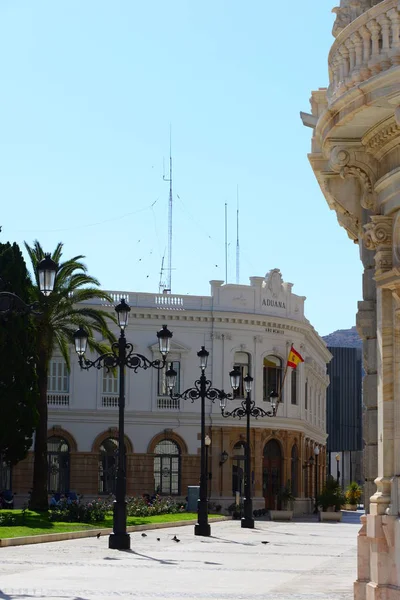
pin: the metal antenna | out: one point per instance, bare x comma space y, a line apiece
226, 243
169, 267
161, 284
237, 238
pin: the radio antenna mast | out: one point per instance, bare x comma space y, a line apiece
169, 254
161, 284
237, 239
226, 243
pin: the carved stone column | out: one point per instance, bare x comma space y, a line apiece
376, 543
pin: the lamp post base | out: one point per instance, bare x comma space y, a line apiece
247, 523
119, 541
203, 529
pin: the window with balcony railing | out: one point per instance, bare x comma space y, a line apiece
110, 390
164, 401
58, 383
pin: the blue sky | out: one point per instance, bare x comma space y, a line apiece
89, 91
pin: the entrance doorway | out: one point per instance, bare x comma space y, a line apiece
272, 474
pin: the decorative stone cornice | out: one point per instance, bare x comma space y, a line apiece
381, 138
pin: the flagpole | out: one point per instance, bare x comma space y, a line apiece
283, 380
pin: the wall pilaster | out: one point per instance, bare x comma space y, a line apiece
366, 327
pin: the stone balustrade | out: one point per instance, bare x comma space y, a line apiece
366, 47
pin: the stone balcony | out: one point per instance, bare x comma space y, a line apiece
366, 47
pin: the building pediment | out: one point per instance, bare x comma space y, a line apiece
174, 348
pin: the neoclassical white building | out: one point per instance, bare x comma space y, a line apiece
251, 326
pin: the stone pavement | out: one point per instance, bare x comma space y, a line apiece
302, 561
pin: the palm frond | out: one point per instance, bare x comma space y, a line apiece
62, 338
56, 256
66, 269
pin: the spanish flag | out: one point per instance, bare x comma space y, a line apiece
294, 358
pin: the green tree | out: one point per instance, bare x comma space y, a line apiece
18, 383
67, 307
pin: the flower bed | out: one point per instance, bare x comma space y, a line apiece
80, 512
158, 505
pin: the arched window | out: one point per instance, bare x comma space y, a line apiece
272, 376
242, 362
167, 468
5, 474
238, 468
294, 386
108, 466
295, 471
58, 465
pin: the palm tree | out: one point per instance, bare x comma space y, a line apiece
64, 310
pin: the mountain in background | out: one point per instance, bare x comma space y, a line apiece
346, 338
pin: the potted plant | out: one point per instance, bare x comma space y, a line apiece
285, 500
353, 496
331, 500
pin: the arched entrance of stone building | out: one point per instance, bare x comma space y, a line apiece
272, 473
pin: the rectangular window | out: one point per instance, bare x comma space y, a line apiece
272, 377
294, 386
306, 396
110, 382
241, 362
58, 376
162, 380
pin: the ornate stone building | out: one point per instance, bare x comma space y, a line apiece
356, 158
249, 326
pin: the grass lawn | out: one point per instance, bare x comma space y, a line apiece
38, 523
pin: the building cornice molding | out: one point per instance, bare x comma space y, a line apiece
245, 320
382, 138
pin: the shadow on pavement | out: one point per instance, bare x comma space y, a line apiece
159, 560
23, 596
214, 537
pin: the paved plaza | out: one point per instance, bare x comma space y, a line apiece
301, 561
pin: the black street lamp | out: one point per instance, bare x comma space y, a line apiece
11, 303
207, 443
121, 356
316, 452
202, 389
337, 468
247, 409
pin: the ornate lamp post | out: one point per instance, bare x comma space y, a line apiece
11, 303
121, 356
337, 467
247, 409
207, 443
316, 453
202, 389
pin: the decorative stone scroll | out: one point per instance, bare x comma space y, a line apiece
345, 162
378, 237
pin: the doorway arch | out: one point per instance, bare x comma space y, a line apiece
272, 473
